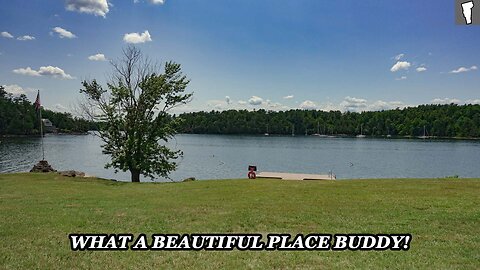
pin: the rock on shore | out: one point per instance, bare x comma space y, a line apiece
72, 173
42, 166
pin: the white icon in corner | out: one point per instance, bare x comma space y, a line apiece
467, 11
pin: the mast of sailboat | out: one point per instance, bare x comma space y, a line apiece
293, 130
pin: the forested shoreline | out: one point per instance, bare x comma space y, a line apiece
18, 117
446, 121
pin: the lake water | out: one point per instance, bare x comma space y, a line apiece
221, 156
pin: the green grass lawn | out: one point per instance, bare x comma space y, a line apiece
38, 211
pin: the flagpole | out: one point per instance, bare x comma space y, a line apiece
41, 129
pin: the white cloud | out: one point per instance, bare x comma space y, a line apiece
463, 69
26, 37
276, 106
348, 104
137, 38
55, 72
154, 2
473, 101
288, 97
329, 106
48, 71
6, 34
97, 57
460, 70
401, 78
351, 104
398, 57
255, 101
354, 104
400, 65
63, 33
26, 71
360, 104
219, 105
308, 105
95, 7
60, 108
16, 89
445, 101
421, 69
381, 105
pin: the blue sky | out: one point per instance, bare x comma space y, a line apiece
273, 54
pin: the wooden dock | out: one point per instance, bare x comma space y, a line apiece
295, 176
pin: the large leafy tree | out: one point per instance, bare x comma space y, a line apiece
133, 111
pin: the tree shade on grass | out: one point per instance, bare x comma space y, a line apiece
38, 211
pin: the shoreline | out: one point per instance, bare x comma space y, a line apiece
38, 135
89, 176
343, 136
334, 136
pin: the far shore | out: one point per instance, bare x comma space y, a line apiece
38, 135
433, 138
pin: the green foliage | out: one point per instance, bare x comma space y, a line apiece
134, 117
18, 117
439, 120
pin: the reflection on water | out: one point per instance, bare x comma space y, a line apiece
221, 156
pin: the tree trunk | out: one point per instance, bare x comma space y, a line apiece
135, 175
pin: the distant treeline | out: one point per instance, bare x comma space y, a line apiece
18, 117
439, 120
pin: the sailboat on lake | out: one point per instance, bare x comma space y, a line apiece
361, 133
318, 131
424, 134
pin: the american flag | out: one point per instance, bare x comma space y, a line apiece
37, 102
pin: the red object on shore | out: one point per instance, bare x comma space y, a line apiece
251, 172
